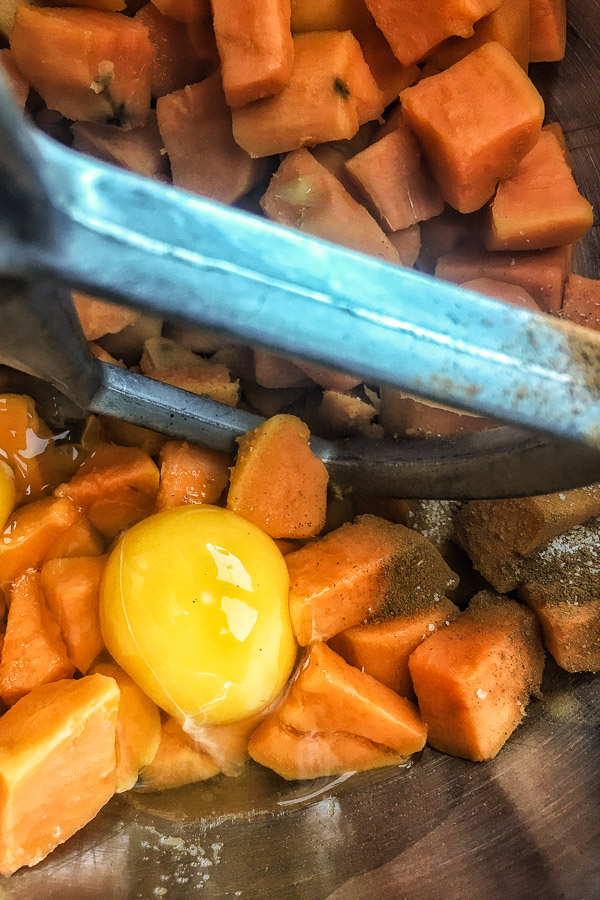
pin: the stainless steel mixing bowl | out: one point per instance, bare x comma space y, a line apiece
525, 825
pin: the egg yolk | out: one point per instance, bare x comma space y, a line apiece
194, 606
8, 492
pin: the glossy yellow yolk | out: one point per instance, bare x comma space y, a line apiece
194, 607
8, 492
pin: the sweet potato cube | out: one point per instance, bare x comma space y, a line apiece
540, 205
304, 194
571, 627
329, 379
207, 379
473, 679
382, 649
25, 444
33, 652
329, 15
329, 696
390, 75
403, 414
79, 539
115, 487
175, 62
441, 235
499, 534
542, 273
72, 590
475, 121
98, 317
138, 729
85, 63
30, 533
302, 756
391, 176
57, 766
508, 25
413, 27
195, 125
226, 744
353, 573
548, 30
190, 474
581, 301
502, 290
278, 483
255, 44
320, 103
276, 372
18, 86
176, 762
140, 150
407, 243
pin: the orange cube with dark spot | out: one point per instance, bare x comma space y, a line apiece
413, 27
278, 483
33, 652
392, 177
473, 679
540, 205
190, 474
475, 121
255, 44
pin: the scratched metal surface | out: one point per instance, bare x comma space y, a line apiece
525, 825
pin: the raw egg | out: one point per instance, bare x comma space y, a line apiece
194, 607
8, 492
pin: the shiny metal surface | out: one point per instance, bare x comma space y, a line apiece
526, 825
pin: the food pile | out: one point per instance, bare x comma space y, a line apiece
296, 106
168, 612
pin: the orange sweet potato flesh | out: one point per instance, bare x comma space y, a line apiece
542, 273
390, 75
571, 630
508, 25
382, 649
274, 372
33, 652
329, 15
72, 590
98, 317
407, 242
190, 474
498, 534
317, 105
176, 762
278, 483
391, 176
255, 44
115, 487
195, 125
18, 86
175, 62
79, 539
441, 235
540, 205
139, 150
31, 533
57, 766
226, 745
413, 27
403, 414
295, 756
329, 696
474, 678
304, 194
581, 301
475, 121
26, 445
208, 380
358, 571
548, 30
138, 728
502, 290
87, 64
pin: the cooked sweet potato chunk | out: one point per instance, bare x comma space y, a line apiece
548, 30
176, 762
581, 301
190, 474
